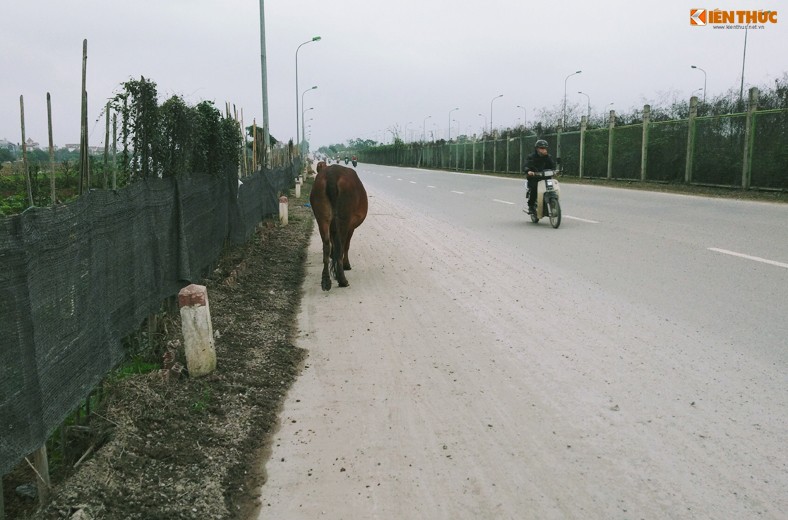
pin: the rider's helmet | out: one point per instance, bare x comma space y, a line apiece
541, 143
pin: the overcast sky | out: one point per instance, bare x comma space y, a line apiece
380, 65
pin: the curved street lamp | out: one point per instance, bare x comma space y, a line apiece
485, 122
563, 117
450, 111
491, 113
314, 39
302, 112
588, 101
424, 129
704, 81
525, 113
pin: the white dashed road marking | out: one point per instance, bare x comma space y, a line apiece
582, 219
749, 257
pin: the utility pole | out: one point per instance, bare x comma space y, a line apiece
264, 68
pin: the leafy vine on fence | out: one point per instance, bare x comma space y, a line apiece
172, 138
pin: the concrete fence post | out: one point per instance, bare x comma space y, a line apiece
611, 125
749, 134
644, 144
283, 210
298, 188
197, 330
473, 155
693, 113
583, 128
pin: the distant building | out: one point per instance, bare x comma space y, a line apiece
8, 145
31, 145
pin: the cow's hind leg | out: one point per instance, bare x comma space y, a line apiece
325, 281
339, 230
345, 259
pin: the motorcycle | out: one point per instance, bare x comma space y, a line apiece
355, 162
547, 194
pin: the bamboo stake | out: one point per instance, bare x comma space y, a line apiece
83, 146
51, 152
243, 135
114, 151
106, 146
87, 146
24, 152
40, 466
254, 145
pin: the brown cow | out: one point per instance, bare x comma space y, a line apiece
339, 202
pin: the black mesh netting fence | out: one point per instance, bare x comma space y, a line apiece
76, 279
719, 149
770, 150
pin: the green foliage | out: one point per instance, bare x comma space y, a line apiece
13, 204
133, 367
6, 155
174, 138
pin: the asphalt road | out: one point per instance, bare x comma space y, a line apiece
630, 364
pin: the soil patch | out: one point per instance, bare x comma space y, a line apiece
166, 447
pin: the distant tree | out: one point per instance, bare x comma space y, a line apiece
6, 155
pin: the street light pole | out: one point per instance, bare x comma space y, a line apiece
450, 111
300, 146
264, 74
563, 117
298, 133
424, 129
491, 112
743, 58
704, 81
588, 98
525, 114
485, 122
302, 113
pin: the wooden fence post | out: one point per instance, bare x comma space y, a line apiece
28, 182
749, 141
106, 148
644, 144
693, 113
611, 125
51, 152
84, 181
41, 464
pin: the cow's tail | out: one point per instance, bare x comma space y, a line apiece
332, 190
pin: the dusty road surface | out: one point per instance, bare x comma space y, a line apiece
435, 388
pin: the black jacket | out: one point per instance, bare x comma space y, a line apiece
538, 163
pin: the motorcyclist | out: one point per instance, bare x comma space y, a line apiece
533, 165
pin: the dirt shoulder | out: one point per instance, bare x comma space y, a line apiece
191, 448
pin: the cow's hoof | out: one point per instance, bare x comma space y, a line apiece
344, 283
326, 285
347, 267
